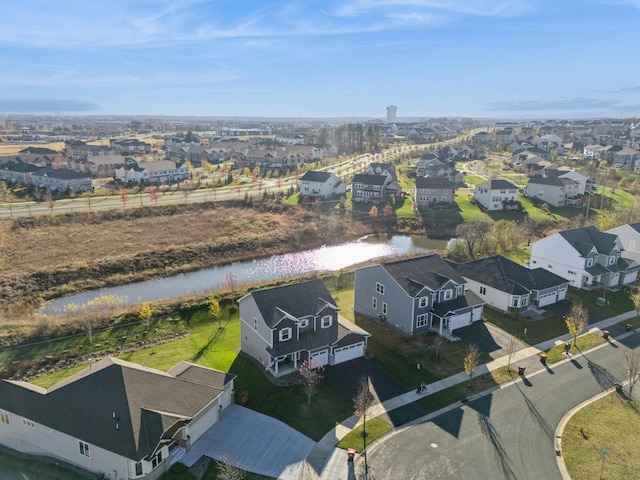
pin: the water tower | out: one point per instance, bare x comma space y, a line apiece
391, 113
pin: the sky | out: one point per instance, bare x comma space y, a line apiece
511, 59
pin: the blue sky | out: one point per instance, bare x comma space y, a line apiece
329, 58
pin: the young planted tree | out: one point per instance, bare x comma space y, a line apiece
512, 345
214, 310
436, 344
577, 320
471, 361
124, 196
226, 471
631, 360
362, 402
311, 375
634, 295
145, 313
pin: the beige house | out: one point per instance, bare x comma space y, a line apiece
115, 418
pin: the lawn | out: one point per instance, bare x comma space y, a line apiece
615, 431
468, 211
583, 342
15, 468
181, 472
375, 429
473, 179
530, 332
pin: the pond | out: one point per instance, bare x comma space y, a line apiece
325, 259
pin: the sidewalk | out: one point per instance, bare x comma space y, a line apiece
326, 462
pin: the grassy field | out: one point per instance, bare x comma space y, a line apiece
611, 424
14, 148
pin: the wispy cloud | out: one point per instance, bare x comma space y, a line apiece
490, 8
563, 105
38, 105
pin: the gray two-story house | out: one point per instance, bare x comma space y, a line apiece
416, 295
281, 327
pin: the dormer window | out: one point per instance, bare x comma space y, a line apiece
448, 294
303, 323
326, 321
285, 334
589, 262
423, 302
612, 260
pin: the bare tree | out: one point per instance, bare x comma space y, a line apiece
474, 234
471, 361
363, 401
631, 359
437, 343
311, 375
577, 320
634, 296
511, 347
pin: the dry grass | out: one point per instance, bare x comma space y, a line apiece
13, 148
40, 260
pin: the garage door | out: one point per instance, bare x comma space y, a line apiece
547, 299
344, 354
460, 321
321, 357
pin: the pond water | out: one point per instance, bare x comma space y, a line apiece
324, 259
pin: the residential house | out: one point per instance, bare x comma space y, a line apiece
592, 151
321, 185
160, 171
433, 191
101, 166
586, 257
368, 188
508, 286
497, 194
505, 136
16, 171
388, 169
115, 418
480, 138
281, 327
78, 149
567, 172
626, 156
629, 235
416, 295
429, 165
556, 191
130, 146
61, 180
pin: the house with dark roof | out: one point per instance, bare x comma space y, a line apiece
17, 171
416, 295
497, 194
434, 191
281, 327
115, 418
321, 184
510, 287
367, 188
586, 257
61, 180
629, 236
556, 191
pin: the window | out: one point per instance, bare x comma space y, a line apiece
4, 417
84, 449
374, 303
303, 323
326, 321
157, 460
285, 334
612, 260
28, 423
422, 321
448, 294
515, 302
139, 468
483, 290
255, 324
424, 301
589, 262
384, 308
380, 288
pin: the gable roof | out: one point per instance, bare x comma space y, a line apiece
117, 405
297, 300
315, 176
437, 183
508, 276
368, 179
553, 181
585, 238
498, 184
413, 274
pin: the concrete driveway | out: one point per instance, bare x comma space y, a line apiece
253, 442
489, 339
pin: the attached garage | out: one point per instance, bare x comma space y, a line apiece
547, 299
459, 321
629, 277
344, 354
322, 357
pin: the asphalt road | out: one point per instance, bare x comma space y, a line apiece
507, 434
